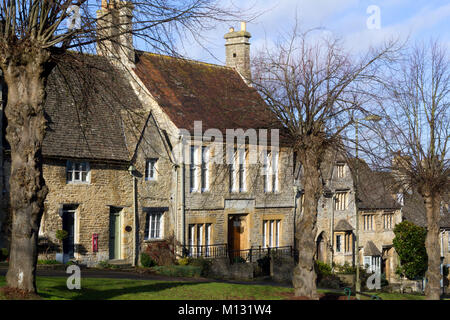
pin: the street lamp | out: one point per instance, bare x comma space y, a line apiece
373, 118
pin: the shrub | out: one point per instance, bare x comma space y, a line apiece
409, 242
3, 254
61, 235
330, 282
203, 263
146, 261
183, 261
162, 252
264, 265
345, 268
323, 269
48, 262
238, 259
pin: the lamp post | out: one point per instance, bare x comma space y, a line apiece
373, 118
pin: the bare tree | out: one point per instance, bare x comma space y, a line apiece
413, 138
313, 86
33, 34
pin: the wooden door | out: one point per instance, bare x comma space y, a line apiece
236, 234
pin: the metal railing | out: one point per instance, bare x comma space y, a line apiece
247, 255
207, 251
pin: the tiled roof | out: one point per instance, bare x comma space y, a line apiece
191, 91
370, 249
86, 98
343, 225
375, 188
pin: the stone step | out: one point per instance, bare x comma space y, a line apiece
120, 263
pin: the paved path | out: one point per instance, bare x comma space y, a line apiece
132, 275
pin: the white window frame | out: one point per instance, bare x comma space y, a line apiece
193, 166
207, 238
74, 165
242, 170
264, 233
150, 216
234, 175
150, 167
204, 170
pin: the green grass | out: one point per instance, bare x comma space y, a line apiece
54, 288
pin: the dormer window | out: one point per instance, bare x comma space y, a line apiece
78, 172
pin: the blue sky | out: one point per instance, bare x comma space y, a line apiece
345, 19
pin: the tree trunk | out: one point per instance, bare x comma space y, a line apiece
25, 79
304, 277
433, 274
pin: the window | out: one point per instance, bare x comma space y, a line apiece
238, 172
205, 169
271, 233
340, 202
77, 172
348, 242
448, 237
338, 243
399, 197
154, 225
387, 221
270, 169
242, 171
368, 222
340, 170
372, 263
150, 170
199, 239
193, 169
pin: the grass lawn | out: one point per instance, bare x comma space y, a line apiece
54, 288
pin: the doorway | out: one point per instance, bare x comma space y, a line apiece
237, 235
68, 225
114, 233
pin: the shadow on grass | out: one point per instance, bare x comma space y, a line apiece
105, 294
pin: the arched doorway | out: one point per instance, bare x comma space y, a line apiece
322, 247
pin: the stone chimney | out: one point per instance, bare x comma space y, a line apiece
114, 20
237, 51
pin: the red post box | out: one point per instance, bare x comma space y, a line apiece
95, 242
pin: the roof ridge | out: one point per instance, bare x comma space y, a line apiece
186, 59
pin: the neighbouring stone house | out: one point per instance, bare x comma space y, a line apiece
112, 151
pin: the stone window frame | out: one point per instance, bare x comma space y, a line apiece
388, 224
271, 231
366, 219
73, 165
340, 170
206, 236
338, 206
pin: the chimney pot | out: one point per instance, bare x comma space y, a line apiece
231, 29
243, 26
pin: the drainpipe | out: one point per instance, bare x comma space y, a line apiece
333, 199
131, 169
183, 200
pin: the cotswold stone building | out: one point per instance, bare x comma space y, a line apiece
112, 157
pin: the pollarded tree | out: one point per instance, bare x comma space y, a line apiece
313, 86
414, 137
33, 34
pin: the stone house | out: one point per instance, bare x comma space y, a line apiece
116, 133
